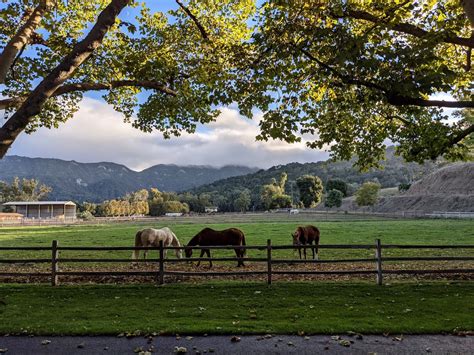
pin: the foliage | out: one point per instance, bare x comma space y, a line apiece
281, 201
178, 61
334, 198
368, 193
395, 171
352, 74
242, 203
85, 215
337, 184
165, 202
23, 190
348, 74
311, 190
273, 194
403, 187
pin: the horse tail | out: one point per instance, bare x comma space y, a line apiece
136, 253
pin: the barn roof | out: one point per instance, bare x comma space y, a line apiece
36, 203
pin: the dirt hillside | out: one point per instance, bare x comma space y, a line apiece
449, 189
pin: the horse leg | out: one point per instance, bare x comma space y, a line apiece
239, 255
202, 254
316, 243
312, 248
208, 252
299, 250
304, 250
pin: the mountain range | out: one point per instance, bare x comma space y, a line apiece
394, 172
97, 182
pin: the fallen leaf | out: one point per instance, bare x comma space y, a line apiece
3, 350
80, 346
235, 339
180, 350
45, 342
344, 342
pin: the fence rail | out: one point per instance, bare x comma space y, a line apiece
55, 261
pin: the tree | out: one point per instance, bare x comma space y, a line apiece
23, 190
334, 198
337, 184
242, 203
368, 194
178, 61
281, 201
354, 73
311, 190
273, 194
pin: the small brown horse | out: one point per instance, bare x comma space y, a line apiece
211, 237
306, 235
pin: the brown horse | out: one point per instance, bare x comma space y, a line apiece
211, 237
304, 236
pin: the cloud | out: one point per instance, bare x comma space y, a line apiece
98, 133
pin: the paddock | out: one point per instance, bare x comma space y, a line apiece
348, 253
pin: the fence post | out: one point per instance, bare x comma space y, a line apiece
54, 263
162, 265
378, 255
269, 261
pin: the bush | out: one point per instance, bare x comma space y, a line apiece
403, 187
85, 215
368, 194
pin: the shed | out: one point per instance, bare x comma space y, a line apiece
44, 209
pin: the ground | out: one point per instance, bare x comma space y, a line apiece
199, 305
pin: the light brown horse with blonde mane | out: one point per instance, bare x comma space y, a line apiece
151, 237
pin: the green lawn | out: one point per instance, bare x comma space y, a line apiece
240, 306
339, 232
233, 308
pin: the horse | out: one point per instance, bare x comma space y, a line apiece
152, 237
208, 237
306, 235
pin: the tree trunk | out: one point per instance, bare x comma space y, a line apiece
21, 38
81, 52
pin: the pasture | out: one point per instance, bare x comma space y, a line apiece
198, 305
450, 232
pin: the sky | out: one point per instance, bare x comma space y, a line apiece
98, 133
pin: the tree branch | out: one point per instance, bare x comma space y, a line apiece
195, 20
392, 98
400, 100
21, 38
406, 28
68, 88
47, 87
461, 135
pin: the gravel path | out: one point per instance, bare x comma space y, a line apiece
320, 344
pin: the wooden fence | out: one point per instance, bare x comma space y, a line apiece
378, 259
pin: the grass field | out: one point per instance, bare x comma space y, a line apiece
220, 306
235, 308
257, 232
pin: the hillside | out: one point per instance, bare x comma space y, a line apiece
395, 171
96, 182
448, 189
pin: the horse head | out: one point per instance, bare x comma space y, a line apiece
296, 236
188, 251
